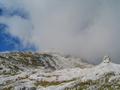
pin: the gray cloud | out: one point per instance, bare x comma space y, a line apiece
85, 28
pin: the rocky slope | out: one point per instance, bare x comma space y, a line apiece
53, 71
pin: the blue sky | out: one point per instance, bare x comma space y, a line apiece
87, 28
9, 42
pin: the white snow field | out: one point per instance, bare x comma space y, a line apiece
53, 71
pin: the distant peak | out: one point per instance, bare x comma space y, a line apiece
106, 59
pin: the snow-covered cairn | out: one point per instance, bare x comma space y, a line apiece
106, 59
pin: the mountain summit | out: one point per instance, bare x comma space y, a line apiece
53, 71
107, 59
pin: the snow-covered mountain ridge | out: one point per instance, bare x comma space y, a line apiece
53, 71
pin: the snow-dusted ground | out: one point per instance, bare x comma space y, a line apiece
39, 78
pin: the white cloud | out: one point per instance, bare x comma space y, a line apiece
87, 28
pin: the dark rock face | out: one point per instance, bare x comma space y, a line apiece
20, 68
46, 60
27, 88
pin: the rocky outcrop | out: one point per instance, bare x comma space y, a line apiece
52, 71
25, 88
106, 59
46, 60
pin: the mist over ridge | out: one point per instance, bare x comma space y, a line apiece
85, 28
